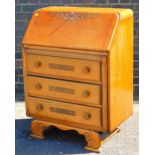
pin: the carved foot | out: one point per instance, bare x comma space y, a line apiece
37, 129
93, 140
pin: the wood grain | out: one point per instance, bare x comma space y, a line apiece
78, 34
120, 101
64, 67
59, 89
78, 70
64, 111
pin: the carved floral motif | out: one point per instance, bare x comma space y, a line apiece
74, 16
37, 128
92, 138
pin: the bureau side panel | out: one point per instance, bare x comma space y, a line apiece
121, 74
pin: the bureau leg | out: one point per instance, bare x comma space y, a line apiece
37, 129
93, 140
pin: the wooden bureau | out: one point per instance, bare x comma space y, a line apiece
78, 70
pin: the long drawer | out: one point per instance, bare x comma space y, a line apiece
63, 67
64, 111
67, 90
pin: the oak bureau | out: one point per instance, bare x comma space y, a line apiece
78, 71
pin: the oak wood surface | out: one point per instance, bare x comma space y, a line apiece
92, 138
120, 70
65, 53
104, 93
45, 29
72, 91
50, 50
24, 64
64, 67
64, 111
82, 68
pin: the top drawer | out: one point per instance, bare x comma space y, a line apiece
63, 67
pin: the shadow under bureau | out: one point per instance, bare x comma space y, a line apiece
78, 71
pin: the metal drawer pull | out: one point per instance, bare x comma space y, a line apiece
38, 86
86, 93
86, 115
37, 64
86, 70
39, 107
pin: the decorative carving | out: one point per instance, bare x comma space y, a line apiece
61, 67
93, 138
62, 90
37, 129
74, 16
62, 111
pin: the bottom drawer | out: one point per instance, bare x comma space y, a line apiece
63, 111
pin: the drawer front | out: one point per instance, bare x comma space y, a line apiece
64, 111
59, 89
63, 67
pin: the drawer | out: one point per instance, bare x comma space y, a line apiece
63, 111
63, 67
66, 90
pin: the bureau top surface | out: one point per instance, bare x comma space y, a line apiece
74, 27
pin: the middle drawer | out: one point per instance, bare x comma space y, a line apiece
64, 90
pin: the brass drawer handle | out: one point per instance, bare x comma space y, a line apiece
39, 107
86, 70
86, 115
86, 93
37, 64
38, 86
